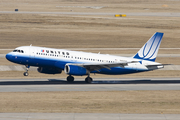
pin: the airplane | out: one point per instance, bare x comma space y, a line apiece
75, 63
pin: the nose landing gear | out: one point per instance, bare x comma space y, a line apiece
26, 73
27, 68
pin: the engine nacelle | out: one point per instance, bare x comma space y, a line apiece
47, 70
75, 70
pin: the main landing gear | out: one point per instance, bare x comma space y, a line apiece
87, 80
70, 78
26, 73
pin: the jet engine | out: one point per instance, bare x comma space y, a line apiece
75, 70
47, 70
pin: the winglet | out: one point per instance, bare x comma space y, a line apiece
150, 49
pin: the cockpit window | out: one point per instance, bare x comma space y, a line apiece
20, 51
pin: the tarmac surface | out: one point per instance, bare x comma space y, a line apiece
91, 13
86, 116
103, 84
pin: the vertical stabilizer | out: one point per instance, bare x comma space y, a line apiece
150, 49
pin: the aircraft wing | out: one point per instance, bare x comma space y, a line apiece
98, 66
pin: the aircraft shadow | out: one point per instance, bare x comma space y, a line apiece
64, 82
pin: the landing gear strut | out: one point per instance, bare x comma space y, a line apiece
26, 73
88, 79
70, 78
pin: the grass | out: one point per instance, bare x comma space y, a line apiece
155, 102
84, 32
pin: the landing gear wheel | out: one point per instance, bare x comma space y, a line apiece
88, 80
26, 73
70, 78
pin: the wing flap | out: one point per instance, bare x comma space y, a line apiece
158, 66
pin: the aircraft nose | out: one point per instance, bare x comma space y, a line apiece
8, 56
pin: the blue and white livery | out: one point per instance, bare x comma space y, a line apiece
75, 63
150, 49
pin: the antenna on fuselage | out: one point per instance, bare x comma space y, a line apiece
99, 53
30, 44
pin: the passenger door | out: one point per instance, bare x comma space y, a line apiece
32, 52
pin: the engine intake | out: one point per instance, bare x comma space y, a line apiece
75, 70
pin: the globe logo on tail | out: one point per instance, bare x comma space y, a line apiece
150, 49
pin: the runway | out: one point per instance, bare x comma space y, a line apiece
86, 116
91, 13
100, 84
